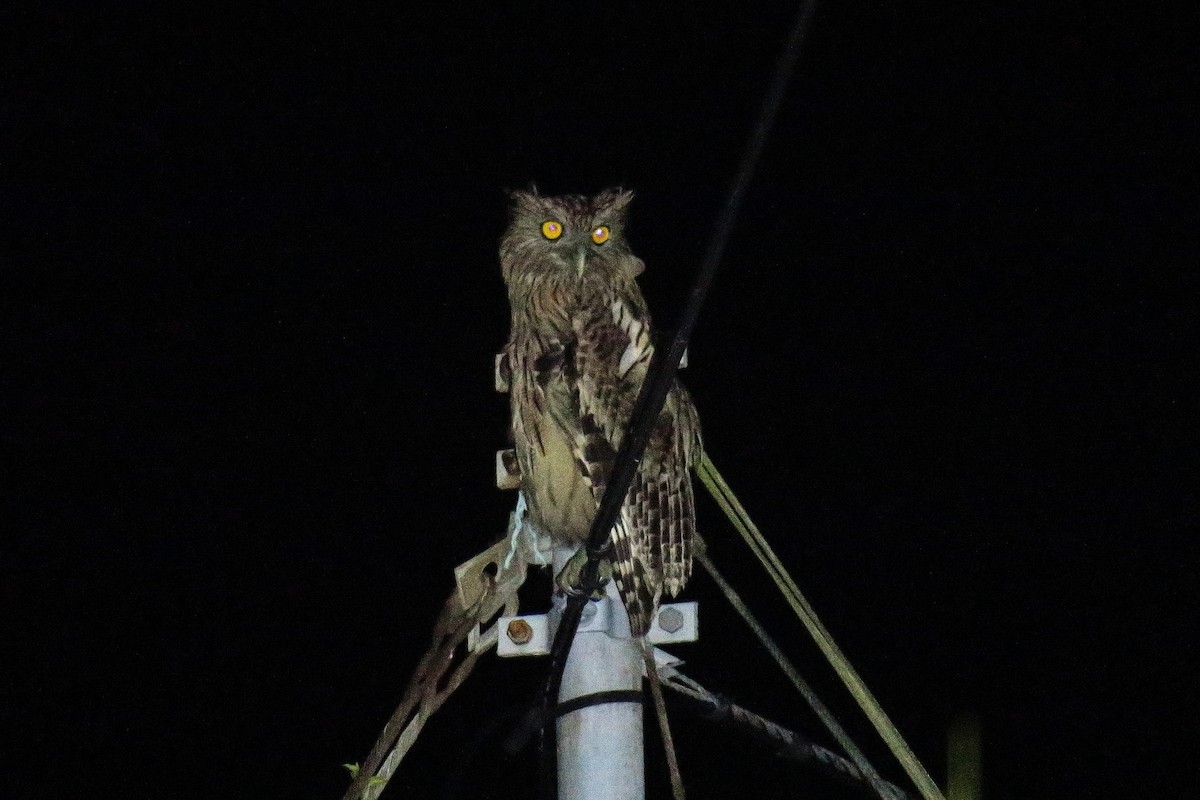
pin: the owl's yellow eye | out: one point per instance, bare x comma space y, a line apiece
551, 229
600, 234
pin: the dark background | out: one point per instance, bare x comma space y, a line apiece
251, 300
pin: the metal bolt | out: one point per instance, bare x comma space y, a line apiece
520, 631
511, 465
508, 470
670, 619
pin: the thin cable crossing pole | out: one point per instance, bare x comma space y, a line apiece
660, 378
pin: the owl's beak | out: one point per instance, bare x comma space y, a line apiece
579, 263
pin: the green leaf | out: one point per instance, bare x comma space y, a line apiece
353, 768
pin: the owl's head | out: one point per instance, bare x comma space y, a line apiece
572, 237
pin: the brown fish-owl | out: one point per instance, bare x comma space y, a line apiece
578, 352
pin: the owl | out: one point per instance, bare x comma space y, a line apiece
578, 352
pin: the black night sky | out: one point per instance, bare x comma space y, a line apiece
250, 299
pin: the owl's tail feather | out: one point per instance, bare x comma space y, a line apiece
636, 578
677, 551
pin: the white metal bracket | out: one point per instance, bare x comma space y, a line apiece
529, 634
469, 575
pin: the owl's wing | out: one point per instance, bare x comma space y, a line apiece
652, 538
662, 499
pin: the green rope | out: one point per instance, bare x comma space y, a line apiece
749, 531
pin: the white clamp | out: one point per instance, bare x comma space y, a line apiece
529, 634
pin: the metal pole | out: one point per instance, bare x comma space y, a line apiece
600, 752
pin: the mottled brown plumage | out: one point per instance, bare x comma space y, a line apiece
579, 349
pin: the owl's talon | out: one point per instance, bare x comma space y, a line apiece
570, 578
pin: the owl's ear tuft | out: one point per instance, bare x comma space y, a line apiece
525, 201
614, 200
